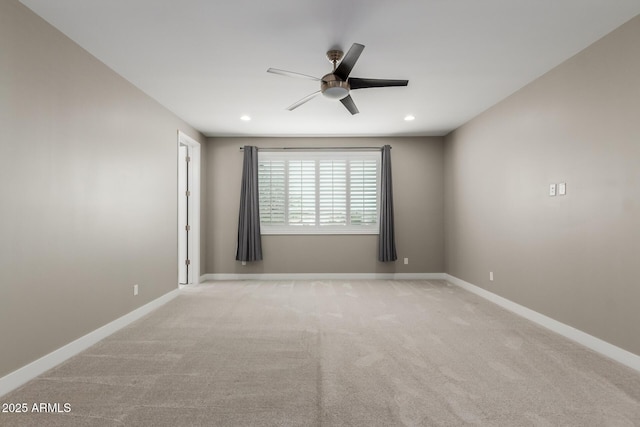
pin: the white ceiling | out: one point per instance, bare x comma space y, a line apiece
206, 60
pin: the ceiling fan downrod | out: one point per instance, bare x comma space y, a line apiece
334, 56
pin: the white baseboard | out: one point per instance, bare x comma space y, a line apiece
616, 353
325, 276
20, 376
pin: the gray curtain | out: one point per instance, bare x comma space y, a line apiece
386, 238
249, 242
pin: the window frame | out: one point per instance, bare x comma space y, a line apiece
317, 156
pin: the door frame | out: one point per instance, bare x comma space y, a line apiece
194, 206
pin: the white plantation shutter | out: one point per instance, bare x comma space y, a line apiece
271, 189
302, 192
364, 192
319, 192
333, 192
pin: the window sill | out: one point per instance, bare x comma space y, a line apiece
266, 231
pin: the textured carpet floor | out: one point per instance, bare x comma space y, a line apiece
333, 353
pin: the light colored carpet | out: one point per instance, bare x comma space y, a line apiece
334, 353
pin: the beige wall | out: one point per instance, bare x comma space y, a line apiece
573, 258
87, 191
418, 194
88, 206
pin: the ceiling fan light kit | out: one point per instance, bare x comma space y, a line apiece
334, 88
338, 84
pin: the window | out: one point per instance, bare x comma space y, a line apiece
319, 192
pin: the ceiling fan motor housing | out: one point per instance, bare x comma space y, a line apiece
334, 87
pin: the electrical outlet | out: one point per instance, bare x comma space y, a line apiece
135, 290
491, 276
406, 261
552, 190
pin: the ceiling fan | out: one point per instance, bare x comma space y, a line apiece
337, 84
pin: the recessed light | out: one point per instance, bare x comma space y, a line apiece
245, 118
409, 118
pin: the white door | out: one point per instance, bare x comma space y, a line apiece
183, 216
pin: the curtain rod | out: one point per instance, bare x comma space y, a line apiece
319, 148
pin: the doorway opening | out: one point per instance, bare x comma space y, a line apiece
188, 210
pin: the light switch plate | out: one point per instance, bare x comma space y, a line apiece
552, 189
562, 188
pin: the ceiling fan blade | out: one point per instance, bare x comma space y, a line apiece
291, 74
347, 101
349, 60
357, 83
303, 100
